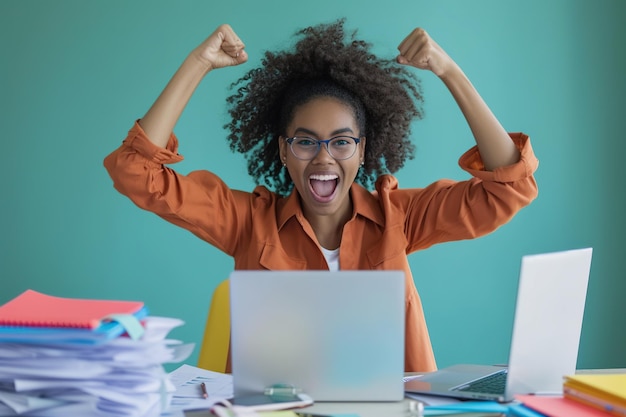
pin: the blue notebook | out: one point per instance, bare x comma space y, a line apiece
107, 330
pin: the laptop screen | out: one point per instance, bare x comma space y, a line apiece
337, 336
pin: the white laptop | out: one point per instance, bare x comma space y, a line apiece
546, 334
336, 336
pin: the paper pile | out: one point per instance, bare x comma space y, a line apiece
59, 371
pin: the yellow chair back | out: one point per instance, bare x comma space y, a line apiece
214, 349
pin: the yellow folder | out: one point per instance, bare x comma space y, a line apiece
604, 391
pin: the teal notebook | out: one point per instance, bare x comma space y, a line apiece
519, 410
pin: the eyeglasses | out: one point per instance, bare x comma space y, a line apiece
339, 147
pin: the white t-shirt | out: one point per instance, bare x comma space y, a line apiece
332, 258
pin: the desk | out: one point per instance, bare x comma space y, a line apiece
376, 409
362, 409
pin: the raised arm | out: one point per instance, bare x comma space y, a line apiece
222, 48
495, 147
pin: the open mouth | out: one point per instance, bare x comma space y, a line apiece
323, 187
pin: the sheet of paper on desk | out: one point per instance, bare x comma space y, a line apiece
188, 395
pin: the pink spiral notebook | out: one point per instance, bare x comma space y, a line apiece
34, 309
557, 406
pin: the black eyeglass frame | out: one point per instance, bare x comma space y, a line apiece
319, 142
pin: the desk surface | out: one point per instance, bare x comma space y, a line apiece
375, 409
362, 409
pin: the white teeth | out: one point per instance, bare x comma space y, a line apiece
329, 177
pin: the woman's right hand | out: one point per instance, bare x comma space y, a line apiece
222, 48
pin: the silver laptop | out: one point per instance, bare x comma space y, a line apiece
336, 336
546, 334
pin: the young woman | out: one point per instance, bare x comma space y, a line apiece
322, 124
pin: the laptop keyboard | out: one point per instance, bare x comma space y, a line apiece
492, 384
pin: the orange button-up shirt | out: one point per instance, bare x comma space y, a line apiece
262, 230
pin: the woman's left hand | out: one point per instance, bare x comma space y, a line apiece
421, 51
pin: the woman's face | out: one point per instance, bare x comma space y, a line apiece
323, 182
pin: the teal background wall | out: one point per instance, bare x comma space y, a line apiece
75, 74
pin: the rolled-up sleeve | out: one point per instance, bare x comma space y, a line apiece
138, 170
130, 164
471, 162
448, 210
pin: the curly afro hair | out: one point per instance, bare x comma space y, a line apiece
384, 95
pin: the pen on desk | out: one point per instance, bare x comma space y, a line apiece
205, 394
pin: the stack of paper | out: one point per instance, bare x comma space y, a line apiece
605, 392
66, 357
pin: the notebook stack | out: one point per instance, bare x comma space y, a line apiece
87, 357
584, 395
606, 392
